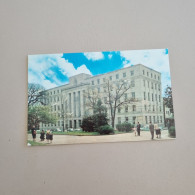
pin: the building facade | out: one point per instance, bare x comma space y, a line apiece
69, 102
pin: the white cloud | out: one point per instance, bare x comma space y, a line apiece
156, 59
94, 55
109, 56
41, 69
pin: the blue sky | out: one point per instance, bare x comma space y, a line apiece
52, 70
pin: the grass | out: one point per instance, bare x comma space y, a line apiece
80, 133
35, 143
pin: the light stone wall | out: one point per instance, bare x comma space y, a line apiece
70, 100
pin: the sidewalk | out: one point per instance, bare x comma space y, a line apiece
69, 139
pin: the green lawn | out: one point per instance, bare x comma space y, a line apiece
80, 133
35, 143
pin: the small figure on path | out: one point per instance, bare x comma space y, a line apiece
47, 136
33, 131
138, 128
151, 127
135, 131
50, 136
158, 131
42, 136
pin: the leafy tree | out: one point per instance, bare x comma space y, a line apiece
168, 99
99, 108
38, 114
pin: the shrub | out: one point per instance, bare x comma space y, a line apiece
172, 131
105, 130
88, 124
100, 120
124, 127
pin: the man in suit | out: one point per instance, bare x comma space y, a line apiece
151, 127
138, 128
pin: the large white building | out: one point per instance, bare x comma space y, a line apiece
68, 102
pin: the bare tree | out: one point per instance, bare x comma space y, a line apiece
35, 94
117, 96
92, 96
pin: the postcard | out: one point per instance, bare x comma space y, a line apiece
97, 97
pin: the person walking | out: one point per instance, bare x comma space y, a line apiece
138, 129
47, 136
151, 127
33, 131
157, 130
50, 136
42, 136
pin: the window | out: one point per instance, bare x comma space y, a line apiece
145, 107
126, 119
58, 107
58, 98
51, 93
144, 82
119, 120
150, 118
160, 109
144, 95
148, 84
54, 92
148, 96
58, 123
143, 72
147, 73
154, 120
119, 110
161, 119
155, 76
126, 108
157, 119
155, 86
153, 108
132, 73
159, 87
156, 97
133, 83
125, 96
151, 75
98, 81
146, 119
117, 76
134, 108
152, 97
133, 94
54, 107
105, 100
110, 77
152, 86
124, 74
159, 98
92, 82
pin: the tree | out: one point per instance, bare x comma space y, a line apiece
168, 99
99, 108
40, 114
116, 93
35, 94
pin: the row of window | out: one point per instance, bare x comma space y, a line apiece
152, 96
154, 119
54, 92
152, 85
117, 76
151, 75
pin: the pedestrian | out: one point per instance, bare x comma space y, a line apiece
135, 131
138, 128
33, 131
47, 136
151, 127
42, 136
157, 130
50, 136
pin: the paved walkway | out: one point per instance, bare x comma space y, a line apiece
70, 139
